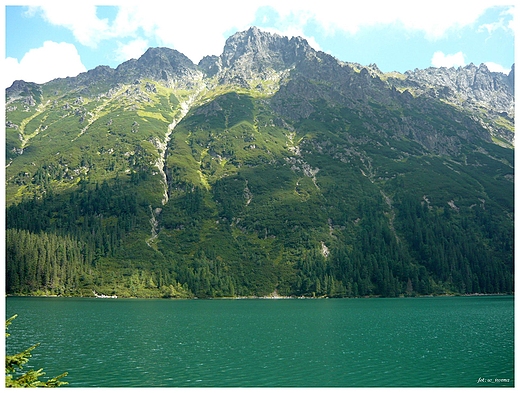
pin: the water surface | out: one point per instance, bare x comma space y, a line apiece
450, 341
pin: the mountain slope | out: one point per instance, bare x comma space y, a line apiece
270, 168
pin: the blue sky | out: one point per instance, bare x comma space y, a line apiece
57, 39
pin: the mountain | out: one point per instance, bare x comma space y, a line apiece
270, 169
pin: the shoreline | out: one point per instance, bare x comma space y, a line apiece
267, 297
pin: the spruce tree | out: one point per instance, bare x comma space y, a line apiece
17, 379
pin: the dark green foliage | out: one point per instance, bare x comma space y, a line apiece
53, 244
469, 251
16, 378
44, 263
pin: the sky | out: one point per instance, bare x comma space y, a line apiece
52, 39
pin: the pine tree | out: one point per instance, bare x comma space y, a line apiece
31, 377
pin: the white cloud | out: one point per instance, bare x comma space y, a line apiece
434, 19
506, 22
439, 59
193, 28
79, 17
11, 72
198, 28
494, 67
40, 65
294, 32
133, 50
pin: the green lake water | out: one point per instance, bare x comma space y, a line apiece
445, 341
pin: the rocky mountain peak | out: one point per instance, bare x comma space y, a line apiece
20, 87
29, 91
166, 58
161, 64
255, 54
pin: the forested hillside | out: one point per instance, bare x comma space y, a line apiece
272, 169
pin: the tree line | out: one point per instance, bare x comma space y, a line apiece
86, 240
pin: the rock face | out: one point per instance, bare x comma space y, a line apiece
30, 92
254, 54
470, 85
488, 96
162, 64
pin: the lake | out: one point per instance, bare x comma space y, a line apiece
442, 341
